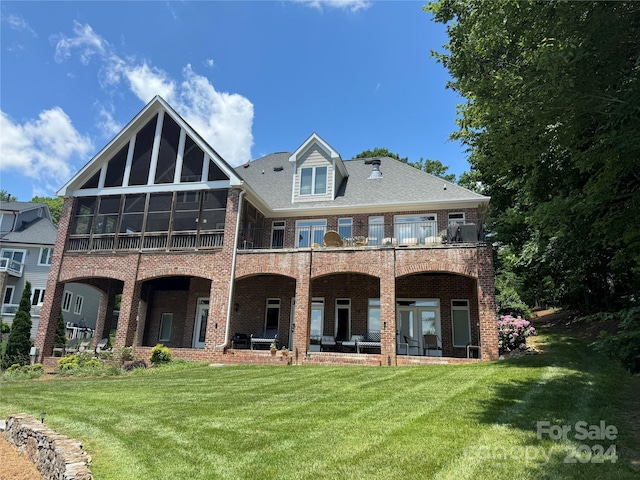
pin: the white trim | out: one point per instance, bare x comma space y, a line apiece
272, 303
348, 308
374, 307
460, 308
157, 138
456, 220
50, 256
317, 304
179, 157
4, 294
311, 230
66, 301
169, 317
127, 166
161, 187
77, 305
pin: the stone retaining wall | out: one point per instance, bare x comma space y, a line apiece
55, 456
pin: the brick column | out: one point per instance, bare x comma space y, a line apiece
487, 305
301, 317
127, 319
388, 309
103, 321
53, 294
217, 321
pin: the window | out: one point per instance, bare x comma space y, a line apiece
165, 327
309, 232
345, 227
277, 234
66, 301
313, 181
461, 323
413, 229
159, 212
141, 162
45, 256
13, 256
317, 317
107, 218
373, 320
168, 152
456, 217
37, 296
272, 315
343, 319
192, 159
77, 308
376, 230
133, 213
83, 216
115, 170
8, 295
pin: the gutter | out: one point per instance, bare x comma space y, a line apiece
233, 275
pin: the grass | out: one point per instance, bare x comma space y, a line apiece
468, 421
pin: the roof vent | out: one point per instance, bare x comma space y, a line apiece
375, 168
278, 169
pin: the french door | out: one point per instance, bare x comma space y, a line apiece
200, 328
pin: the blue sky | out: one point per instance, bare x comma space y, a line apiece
252, 78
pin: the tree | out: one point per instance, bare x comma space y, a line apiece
60, 338
380, 152
471, 180
19, 342
7, 197
552, 124
55, 206
434, 167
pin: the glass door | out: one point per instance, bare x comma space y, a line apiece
200, 330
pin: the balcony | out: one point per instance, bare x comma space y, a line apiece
12, 267
11, 309
396, 235
152, 241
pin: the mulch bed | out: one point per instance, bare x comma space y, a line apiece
15, 466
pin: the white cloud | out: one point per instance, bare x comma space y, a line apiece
18, 23
208, 62
86, 40
107, 125
43, 148
223, 119
350, 5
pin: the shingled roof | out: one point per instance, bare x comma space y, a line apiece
271, 178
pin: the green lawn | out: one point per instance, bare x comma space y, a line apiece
470, 421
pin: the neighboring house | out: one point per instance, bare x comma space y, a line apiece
27, 238
317, 248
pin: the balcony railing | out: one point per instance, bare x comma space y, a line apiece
12, 267
11, 309
399, 234
153, 241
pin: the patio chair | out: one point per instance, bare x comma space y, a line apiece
412, 343
327, 342
72, 347
102, 346
370, 340
351, 343
265, 336
431, 342
84, 345
332, 239
400, 345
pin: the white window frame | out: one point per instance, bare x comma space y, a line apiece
343, 224
313, 181
458, 217
346, 305
272, 303
48, 255
165, 319
278, 225
374, 305
66, 301
417, 227
458, 308
317, 305
77, 305
312, 226
37, 299
8, 288
377, 222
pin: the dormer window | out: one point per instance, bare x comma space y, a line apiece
313, 181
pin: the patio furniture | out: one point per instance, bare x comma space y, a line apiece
413, 343
352, 342
72, 347
432, 343
453, 233
84, 345
265, 336
471, 349
327, 342
240, 340
332, 239
468, 232
361, 241
370, 340
102, 346
400, 344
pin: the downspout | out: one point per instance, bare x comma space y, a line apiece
233, 275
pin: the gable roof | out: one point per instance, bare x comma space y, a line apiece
315, 139
18, 207
40, 231
156, 105
402, 187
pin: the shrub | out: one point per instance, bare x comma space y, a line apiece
69, 362
5, 328
160, 354
23, 372
624, 345
117, 356
128, 366
19, 342
513, 333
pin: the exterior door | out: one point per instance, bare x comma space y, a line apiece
406, 324
200, 329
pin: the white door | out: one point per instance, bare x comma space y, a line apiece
200, 329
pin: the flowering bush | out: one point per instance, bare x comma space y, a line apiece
513, 333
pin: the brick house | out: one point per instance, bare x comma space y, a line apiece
363, 261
